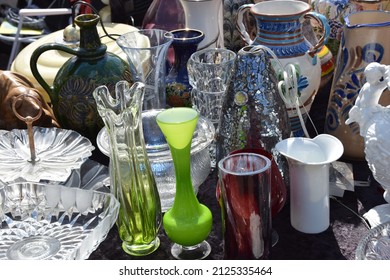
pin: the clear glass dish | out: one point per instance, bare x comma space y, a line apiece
375, 245
44, 221
58, 152
161, 159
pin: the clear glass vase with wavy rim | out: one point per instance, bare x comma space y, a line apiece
132, 180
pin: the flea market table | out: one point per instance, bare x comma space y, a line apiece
338, 242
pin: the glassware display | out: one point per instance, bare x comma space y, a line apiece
160, 157
245, 182
44, 221
132, 180
146, 51
188, 222
185, 43
58, 151
375, 244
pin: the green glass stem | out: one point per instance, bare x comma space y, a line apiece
188, 222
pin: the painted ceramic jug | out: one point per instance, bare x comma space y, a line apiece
89, 67
364, 40
279, 27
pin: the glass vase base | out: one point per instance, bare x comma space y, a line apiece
196, 252
141, 250
274, 237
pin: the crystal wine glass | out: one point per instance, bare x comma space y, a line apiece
188, 222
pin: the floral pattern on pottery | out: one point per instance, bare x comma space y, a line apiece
364, 41
334, 11
347, 87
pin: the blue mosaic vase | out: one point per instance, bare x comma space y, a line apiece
253, 114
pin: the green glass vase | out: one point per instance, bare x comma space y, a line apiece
188, 222
132, 180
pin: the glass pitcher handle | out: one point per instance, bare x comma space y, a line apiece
325, 28
241, 28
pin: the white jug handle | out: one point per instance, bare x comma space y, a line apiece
324, 25
241, 28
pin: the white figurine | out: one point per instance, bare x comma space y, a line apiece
374, 123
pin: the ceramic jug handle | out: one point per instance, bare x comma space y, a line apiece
34, 62
324, 25
241, 28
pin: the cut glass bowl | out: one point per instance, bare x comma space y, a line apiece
43, 221
58, 152
160, 157
375, 245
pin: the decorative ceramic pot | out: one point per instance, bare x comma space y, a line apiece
334, 11
364, 40
90, 66
280, 27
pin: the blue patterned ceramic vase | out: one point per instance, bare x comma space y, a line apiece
365, 39
185, 43
279, 27
334, 11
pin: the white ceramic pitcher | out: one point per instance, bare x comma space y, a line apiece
308, 161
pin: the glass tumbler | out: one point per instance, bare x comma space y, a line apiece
245, 182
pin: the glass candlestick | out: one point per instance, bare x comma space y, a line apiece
188, 222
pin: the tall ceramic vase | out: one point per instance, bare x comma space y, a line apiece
279, 27
132, 180
206, 16
365, 39
309, 161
